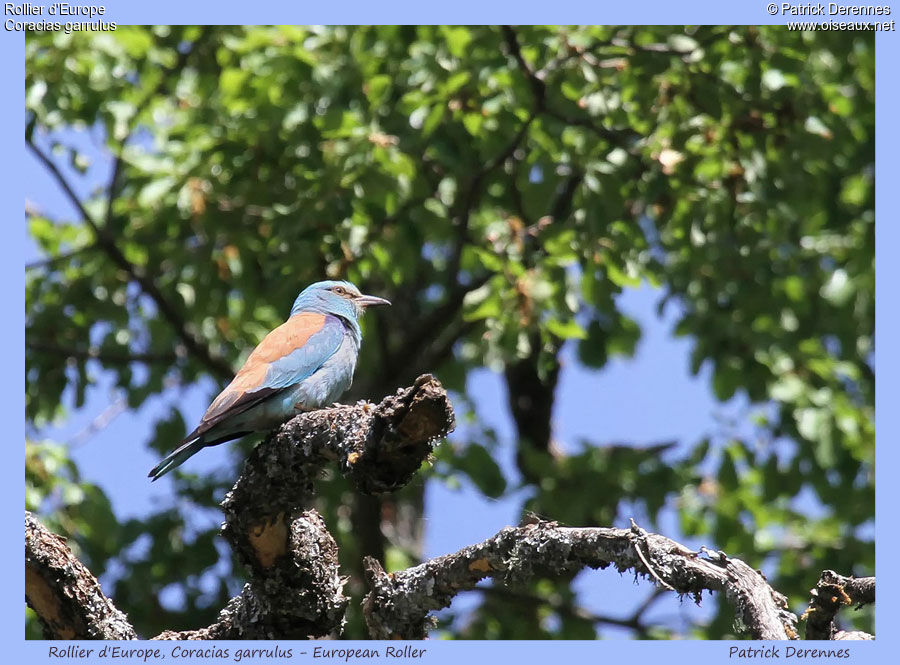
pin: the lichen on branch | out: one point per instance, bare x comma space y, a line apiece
64, 594
399, 604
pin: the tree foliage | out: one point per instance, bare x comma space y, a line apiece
502, 186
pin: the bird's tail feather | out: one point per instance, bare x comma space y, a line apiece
177, 457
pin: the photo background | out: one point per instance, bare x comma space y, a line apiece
640, 401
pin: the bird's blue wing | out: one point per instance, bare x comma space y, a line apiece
300, 362
286, 356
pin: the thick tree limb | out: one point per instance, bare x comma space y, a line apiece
297, 596
398, 604
295, 590
832, 592
853, 635
63, 593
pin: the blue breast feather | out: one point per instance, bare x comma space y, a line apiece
327, 384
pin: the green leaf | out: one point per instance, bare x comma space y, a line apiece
481, 468
726, 381
568, 329
151, 195
592, 349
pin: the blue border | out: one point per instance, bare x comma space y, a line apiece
468, 11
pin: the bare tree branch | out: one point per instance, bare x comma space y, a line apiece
853, 635
61, 590
295, 589
831, 593
60, 180
54, 261
398, 605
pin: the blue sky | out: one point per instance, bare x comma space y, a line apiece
646, 399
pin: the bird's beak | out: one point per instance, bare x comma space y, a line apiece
369, 301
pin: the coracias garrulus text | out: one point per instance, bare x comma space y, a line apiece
305, 363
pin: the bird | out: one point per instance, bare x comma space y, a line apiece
304, 364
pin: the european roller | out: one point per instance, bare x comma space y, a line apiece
305, 363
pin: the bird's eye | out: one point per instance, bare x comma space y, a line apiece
339, 290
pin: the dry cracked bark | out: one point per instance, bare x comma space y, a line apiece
294, 587
399, 604
831, 593
65, 596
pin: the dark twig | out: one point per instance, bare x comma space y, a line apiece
416, 341
61, 181
442, 350
567, 610
538, 87
105, 356
472, 193
54, 261
535, 79
160, 89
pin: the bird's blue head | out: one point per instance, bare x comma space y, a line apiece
337, 298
